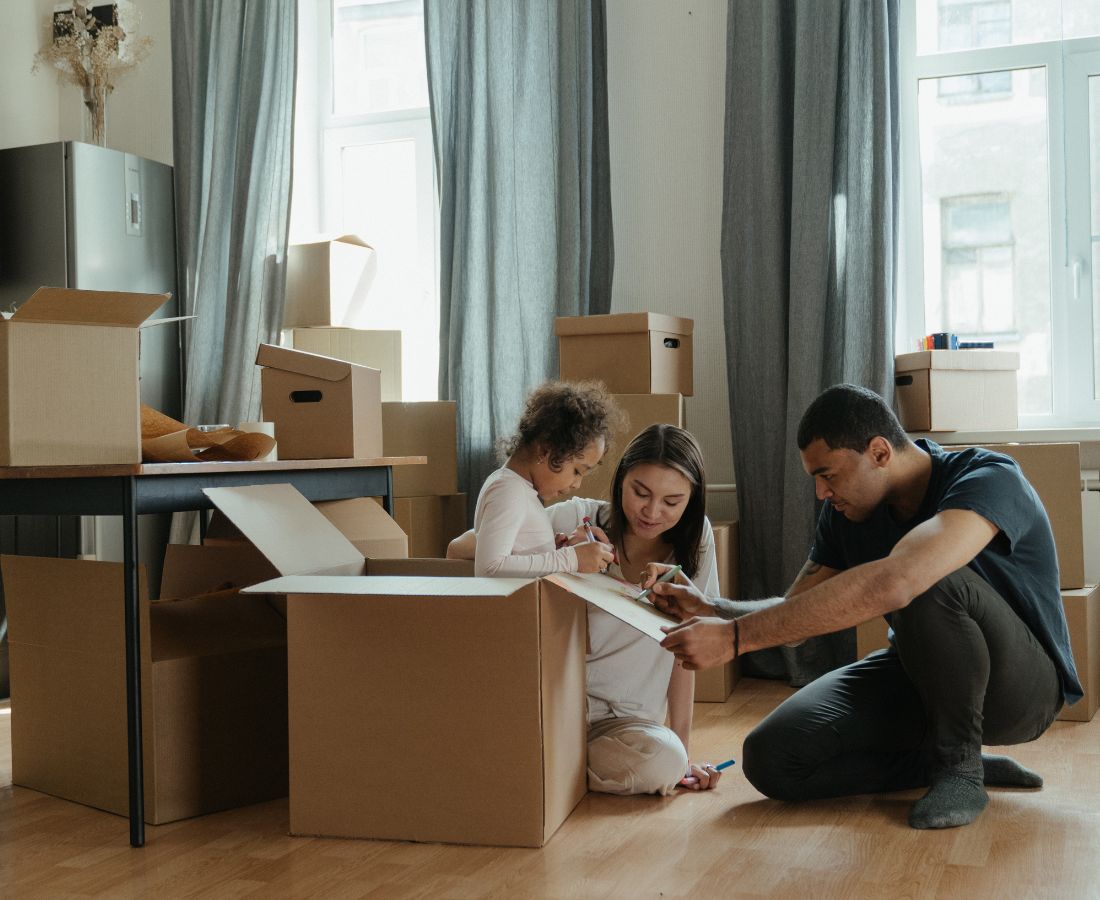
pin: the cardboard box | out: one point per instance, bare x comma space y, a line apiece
476, 684
641, 411
952, 390
213, 675
871, 636
375, 349
716, 684
327, 281
1054, 470
422, 429
1083, 616
431, 522
322, 408
69, 364
1090, 534
631, 353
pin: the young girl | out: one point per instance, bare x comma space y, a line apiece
561, 436
656, 514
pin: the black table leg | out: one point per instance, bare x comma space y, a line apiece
387, 501
132, 599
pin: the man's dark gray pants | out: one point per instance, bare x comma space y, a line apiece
964, 671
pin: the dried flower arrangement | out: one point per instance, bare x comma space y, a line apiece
92, 45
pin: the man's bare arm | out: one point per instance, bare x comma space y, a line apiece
811, 575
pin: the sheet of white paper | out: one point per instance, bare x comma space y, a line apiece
616, 598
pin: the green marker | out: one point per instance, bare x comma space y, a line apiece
668, 576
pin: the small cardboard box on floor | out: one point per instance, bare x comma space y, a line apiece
631, 353
70, 379
476, 685
213, 676
716, 684
322, 408
950, 390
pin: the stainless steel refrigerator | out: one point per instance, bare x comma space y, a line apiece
82, 216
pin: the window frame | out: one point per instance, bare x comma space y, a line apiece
1067, 65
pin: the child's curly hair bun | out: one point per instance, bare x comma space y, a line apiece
563, 418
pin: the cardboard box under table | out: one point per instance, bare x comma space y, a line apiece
477, 685
213, 678
322, 408
422, 429
631, 353
952, 390
69, 366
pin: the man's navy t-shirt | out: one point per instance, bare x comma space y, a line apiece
1020, 562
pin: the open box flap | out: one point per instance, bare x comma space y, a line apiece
73, 307
616, 598
391, 586
286, 528
301, 363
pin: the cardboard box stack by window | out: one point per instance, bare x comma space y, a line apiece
322, 408
69, 363
375, 349
428, 505
213, 676
475, 684
716, 684
327, 281
631, 353
949, 390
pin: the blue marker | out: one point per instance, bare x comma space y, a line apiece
725, 765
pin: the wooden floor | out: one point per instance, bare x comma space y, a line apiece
727, 843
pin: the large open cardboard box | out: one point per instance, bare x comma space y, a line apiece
631, 353
323, 408
213, 676
327, 281
375, 349
952, 390
422, 429
69, 364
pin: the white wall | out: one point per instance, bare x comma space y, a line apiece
37, 108
666, 82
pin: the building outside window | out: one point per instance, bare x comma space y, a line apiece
1000, 104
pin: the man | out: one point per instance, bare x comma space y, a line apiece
956, 551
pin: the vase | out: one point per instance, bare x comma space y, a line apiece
95, 119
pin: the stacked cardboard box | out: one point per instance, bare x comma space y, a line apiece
427, 504
716, 684
375, 349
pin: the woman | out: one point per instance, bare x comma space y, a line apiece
656, 515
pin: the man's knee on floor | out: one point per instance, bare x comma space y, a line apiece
768, 763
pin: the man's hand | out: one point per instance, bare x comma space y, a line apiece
679, 598
700, 643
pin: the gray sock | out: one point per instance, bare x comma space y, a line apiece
955, 798
1003, 771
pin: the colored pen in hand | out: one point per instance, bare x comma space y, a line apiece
725, 765
588, 530
668, 576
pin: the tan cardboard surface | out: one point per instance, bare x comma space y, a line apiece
973, 360
373, 348
871, 636
302, 363
1083, 617
328, 280
430, 522
616, 598
641, 411
714, 685
365, 523
953, 400
429, 429
80, 307
622, 323
191, 570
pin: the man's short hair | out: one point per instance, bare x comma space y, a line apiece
848, 416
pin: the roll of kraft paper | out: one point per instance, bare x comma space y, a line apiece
267, 428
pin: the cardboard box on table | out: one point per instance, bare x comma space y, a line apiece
631, 353
375, 349
322, 408
422, 429
640, 411
716, 684
950, 390
69, 364
327, 281
213, 676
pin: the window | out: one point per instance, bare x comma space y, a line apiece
364, 162
1000, 107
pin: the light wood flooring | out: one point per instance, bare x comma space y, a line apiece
727, 843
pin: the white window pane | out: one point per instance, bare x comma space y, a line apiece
984, 166
1094, 180
378, 56
379, 203
949, 25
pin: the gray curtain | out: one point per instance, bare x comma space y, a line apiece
519, 117
809, 248
233, 70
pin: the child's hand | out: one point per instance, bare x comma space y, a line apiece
701, 778
580, 537
593, 556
